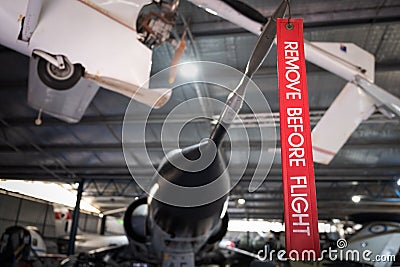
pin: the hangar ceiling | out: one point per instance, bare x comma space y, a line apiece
368, 165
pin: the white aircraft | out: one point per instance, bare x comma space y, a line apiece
87, 241
108, 43
379, 236
358, 100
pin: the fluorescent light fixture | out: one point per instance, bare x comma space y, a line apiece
262, 226
356, 199
335, 220
241, 201
398, 182
209, 10
254, 226
101, 215
51, 192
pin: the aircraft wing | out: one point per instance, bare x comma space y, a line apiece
230, 13
348, 110
102, 45
355, 103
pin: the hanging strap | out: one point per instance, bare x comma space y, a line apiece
301, 217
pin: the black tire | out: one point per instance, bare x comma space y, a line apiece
58, 79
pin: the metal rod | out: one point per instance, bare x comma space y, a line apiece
45, 218
75, 220
18, 211
103, 225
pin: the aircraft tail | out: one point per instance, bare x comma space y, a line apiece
347, 111
356, 102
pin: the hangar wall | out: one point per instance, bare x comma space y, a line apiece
88, 223
26, 212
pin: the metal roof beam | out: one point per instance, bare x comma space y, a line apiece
339, 18
159, 147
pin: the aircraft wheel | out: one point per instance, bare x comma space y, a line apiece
56, 78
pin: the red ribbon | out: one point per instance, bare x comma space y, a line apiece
301, 216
